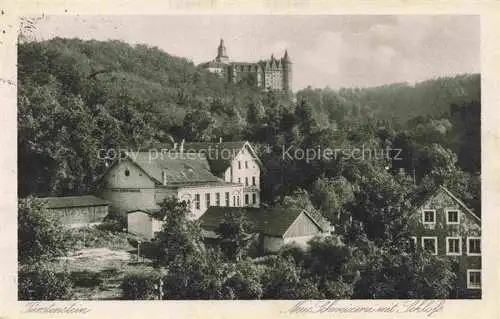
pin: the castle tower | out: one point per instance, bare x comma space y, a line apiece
287, 72
222, 53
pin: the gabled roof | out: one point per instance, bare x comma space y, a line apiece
266, 221
180, 168
423, 198
73, 201
149, 212
459, 202
220, 154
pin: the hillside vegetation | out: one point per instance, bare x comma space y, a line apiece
79, 97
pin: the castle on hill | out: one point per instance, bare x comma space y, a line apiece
272, 74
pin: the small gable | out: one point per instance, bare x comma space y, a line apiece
303, 226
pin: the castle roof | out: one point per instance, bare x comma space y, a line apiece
286, 57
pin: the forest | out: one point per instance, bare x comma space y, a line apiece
78, 97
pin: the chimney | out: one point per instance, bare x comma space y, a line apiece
181, 150
164, 177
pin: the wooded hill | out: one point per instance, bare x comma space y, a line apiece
78, 97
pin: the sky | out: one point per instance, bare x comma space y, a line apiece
327, 51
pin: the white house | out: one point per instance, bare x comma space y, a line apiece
202, 174
234, 162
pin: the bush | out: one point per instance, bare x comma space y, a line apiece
39, 282
113, 222
86, 278
140, 286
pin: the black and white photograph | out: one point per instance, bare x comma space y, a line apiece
249, 157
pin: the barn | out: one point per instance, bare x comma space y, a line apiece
276, 226
77, 211
141, 222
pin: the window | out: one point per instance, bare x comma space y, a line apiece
127, 172
188, 204
473, 246
473, 279
197, 201
234, 201
429, 216
253, 180
238, 201
430, 244
227, 198
207, 199
247, 199
217, 199
246, 164
239, 180
453, 245
246, 181
254, 198
452, 216
239, 164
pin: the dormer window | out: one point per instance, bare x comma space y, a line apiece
429, 216
239, 164
246, 164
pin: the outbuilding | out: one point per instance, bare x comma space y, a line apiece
77, 211
276, 227
143, 223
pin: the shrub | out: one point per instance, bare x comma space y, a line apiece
113, 222
141, 286
86, 278
39, 282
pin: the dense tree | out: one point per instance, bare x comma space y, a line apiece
80, 98
40, 282
40, 235
180, 237
282, 280
235, 233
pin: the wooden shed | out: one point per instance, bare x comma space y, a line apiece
77, 211
275, 226
141, 222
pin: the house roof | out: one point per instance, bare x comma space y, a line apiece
149, 212
422, 198
220, 154
266, 221
459, 202
73, 201
181, 169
